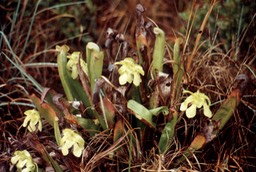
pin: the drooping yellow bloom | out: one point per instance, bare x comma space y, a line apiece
196, 100
23, 161
129, 72
71, 139
72, 64
34, 119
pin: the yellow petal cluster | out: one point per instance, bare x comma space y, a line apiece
72, 64
194, 101
73, 140
32, 120
23, 161
129, 72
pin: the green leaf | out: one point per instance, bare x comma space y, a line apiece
57, 131
62, 69
162, 109
145, 115
176, 55
226, 111
142, 113
167, 135
178, 71
88, 124
159, 50
94, 59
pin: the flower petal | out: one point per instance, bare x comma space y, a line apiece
14, 159
31, 128
184, 106
191, 111
123, 79
190, 99
25, 122
122, 70
67, 133
136, 79
34, 121
139, 70
77, 151
40, 126
74, 72
21, 163
69, 143
84, 66
129, 72
66, 145
79, 141
27, 170
207, 111
129, 77
70, 64
64, 150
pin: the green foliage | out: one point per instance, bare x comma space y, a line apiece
168, 134
141, 114
105, 113
159, 50
226, 23
94, 59
78, 18
145, 115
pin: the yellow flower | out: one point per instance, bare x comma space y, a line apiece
34, 119
129, 72
23, 161
196, 100
72, 64
71, 139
